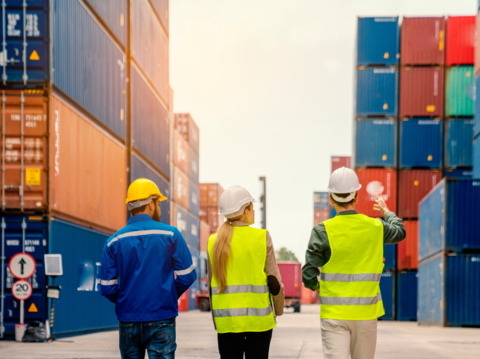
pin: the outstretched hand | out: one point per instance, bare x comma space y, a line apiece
380, 205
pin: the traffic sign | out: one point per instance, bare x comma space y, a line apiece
22, 265
21, 290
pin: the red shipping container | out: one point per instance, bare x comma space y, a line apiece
210, 194
376, 181
183, 302
204, 235
291, 274
422, 41
413, 185
181, 152
188, 129
309, 296
181, 187
320, 215
460, 40
421, 91
341, 161
407, 250
477, 45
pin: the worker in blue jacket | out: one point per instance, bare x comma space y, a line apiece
146, 266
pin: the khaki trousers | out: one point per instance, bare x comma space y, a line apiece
342, 339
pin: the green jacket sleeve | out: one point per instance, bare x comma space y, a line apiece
393, 229
318, 253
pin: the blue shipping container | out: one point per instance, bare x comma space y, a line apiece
150, 125
458, 143
321, 200
80, 307
389, 257
194, 170
377, 92
140, 169
476, 158
25, 66
387, 283
194, 232
376, 143
476, 124
182, 222
88, 66
378, 41
421, 143
445, 221
449, 296
458, 173
407, 288
114, 14
194, 201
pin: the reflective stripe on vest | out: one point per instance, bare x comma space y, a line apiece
245, 305
351, 300
349, 281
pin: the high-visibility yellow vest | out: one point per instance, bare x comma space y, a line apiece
350, 280
245, 304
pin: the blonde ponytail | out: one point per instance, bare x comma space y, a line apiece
221, 252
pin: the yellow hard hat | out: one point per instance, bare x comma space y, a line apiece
141, 191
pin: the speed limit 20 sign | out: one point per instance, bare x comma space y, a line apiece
21, 290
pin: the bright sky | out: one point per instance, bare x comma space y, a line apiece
270, 83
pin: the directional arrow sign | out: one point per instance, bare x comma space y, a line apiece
22, 265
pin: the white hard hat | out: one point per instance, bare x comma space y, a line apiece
343, 180
233, 201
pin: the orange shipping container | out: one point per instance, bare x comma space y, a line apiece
24, 158
204, 234
309, 296
181, 152
407, 250
87, 181
210, 194
181, 185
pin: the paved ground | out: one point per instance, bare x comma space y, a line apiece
297, 336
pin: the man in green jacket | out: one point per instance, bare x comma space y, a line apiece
349, 250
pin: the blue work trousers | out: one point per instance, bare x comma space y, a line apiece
157, 338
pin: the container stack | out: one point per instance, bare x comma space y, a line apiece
375, 151
209, 196
449, 265
321, 207
75, 133
476, 124
186, 196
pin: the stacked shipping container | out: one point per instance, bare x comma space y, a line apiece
476, 124
186, 196
375, 151
71, 144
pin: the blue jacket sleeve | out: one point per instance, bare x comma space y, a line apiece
183, 266
108, 285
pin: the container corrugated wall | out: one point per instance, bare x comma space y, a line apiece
389, 257
458, 173
476, 158
80, 306
340, 161
27, 234
421, 92
291, 274
150, 124
375, 182
181, 188
141, 169
421, 143
188, 129
161, 8
377, 92
376, 143
407, 289
459, 91
378, 41
458, 143
150, 46
413, 185
422, 41
449, 297
477, 45
445, 218
321, 200
88, 169
16, 72
114, 14
24, 188
460, 40
476, 124
194, 199
88, 66
194, 166
181, 152
387, 289
408, 248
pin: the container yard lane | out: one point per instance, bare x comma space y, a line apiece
297, 336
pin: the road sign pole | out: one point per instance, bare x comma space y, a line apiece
22, 311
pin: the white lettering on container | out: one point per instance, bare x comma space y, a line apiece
12, 20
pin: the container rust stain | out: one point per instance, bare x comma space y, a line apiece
88, 170
24, 157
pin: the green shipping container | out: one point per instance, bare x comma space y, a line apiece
459, 91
